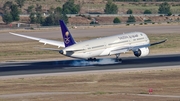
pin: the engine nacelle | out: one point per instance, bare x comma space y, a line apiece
141, 52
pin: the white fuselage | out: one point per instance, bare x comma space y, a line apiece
106, 46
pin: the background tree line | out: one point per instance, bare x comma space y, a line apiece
54, 13
12, 11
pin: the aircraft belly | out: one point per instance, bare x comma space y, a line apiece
119, 51
87, 54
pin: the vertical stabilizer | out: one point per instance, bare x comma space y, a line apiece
67, 37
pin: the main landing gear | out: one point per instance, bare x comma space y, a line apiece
92, 59
117, 58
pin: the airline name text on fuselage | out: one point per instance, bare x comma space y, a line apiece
128, 36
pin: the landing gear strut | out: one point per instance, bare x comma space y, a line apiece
117, 58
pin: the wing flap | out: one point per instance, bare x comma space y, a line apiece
45, 41
133, 48
52, 42
127, 48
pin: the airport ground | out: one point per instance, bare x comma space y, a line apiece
122, 84
17, 48
117, 85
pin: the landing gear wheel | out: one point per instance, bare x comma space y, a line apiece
117, 58
92, 59
120, 60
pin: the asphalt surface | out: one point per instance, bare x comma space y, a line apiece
39, 67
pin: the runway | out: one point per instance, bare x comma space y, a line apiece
39, 67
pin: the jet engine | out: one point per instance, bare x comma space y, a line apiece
141, 52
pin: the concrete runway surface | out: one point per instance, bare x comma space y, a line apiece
39, 67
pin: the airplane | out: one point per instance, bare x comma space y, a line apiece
137, 42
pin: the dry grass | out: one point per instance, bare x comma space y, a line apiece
171, 46
102, 87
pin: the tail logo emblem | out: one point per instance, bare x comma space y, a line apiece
67, 38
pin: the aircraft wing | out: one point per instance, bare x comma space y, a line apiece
127, 48
116, 51
158, 42
133, 48
147, 45
45, 41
